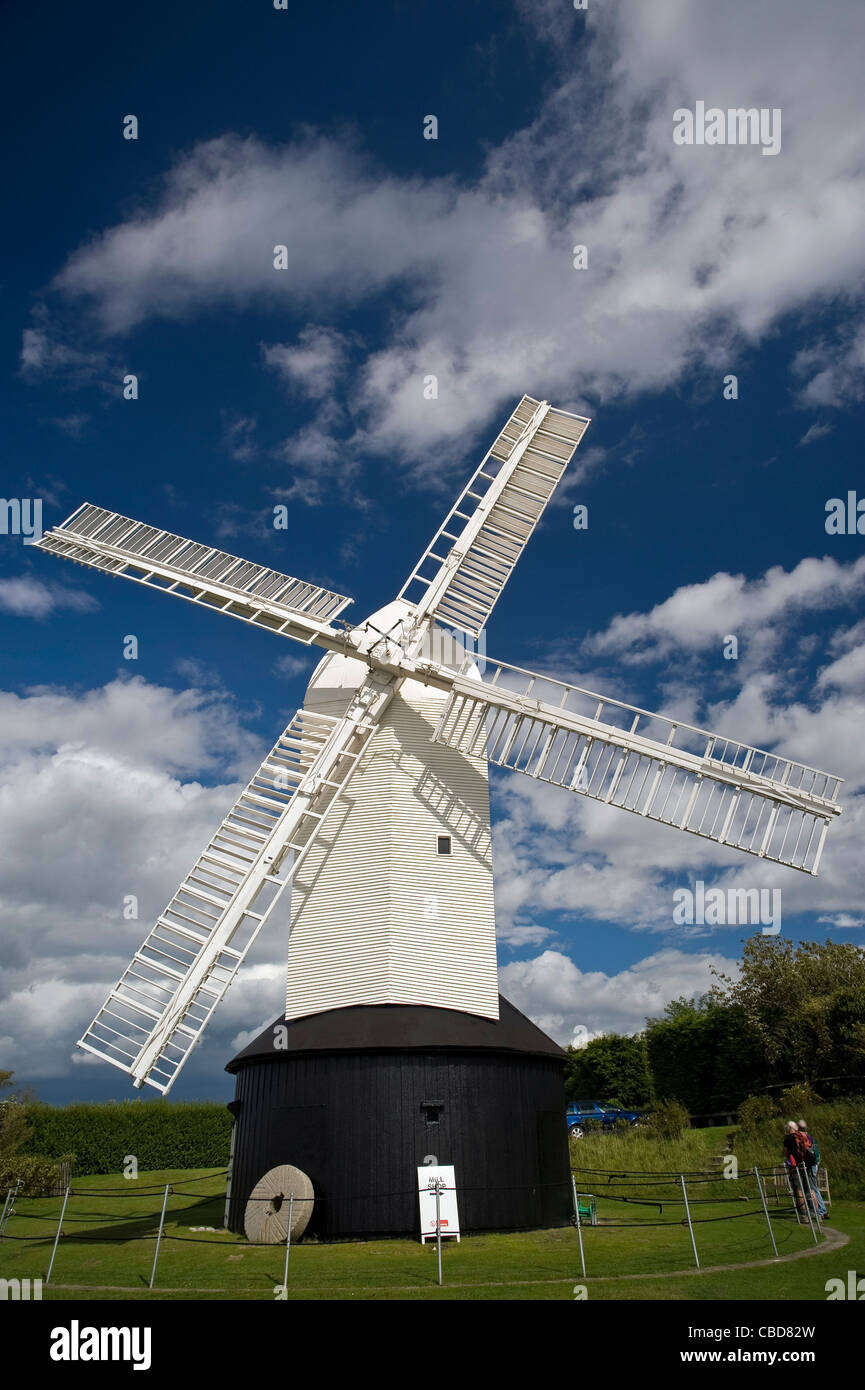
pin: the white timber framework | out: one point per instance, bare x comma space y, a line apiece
485, 533
668, 771
709, 785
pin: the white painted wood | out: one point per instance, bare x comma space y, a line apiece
691, 779
463, 571
378, 917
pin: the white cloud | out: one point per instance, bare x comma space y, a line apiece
239, 436
698, 616
815, 431
313, 364
696, 253
30, 598
559, 997
44, 353
833, 371
96, 804
800, 693
73, 425
291, 665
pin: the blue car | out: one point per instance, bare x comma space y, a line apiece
581, 1111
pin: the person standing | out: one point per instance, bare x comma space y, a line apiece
794, 1158
812, 1161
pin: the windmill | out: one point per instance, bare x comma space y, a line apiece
373, 805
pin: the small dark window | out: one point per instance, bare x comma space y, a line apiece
443, 844
432, 1110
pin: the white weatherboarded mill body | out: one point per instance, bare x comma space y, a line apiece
378, 914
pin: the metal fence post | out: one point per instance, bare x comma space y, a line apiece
765, 1208
814, 1204
790, 1172
690, 1223
57, 1237
228, 1175
579, 1224
439, 1227
288, 1241
8, 1206
159, 1237
807, 1205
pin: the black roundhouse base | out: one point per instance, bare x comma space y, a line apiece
360, 1097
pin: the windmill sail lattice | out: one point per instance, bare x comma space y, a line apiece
463, 571
165, 997
712, 786
133, 550
707, 784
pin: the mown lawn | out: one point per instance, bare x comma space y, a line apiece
119, 1222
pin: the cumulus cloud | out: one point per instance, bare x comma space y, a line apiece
30, 598
695, 253
698, 616
564, 1000
311, 365
832, 372
580, 861
102, 801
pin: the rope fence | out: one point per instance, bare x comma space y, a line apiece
583, 1202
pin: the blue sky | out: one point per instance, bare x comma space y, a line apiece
408, 257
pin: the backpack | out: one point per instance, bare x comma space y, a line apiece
811, 1155
800, 1149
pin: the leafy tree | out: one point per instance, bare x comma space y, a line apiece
754, 1111
788, 992
14, 1129
703, 1053
797, 1099
613, 1065
669, 1120
846, 1021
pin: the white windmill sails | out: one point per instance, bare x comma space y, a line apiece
297, 810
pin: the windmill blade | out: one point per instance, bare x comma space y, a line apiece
709, 785
118, 545
460, 576
159, 1008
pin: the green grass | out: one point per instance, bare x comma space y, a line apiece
839, 1126
527, 1265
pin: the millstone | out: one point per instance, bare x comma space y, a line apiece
266, 1217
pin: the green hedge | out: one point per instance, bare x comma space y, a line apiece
157, 1133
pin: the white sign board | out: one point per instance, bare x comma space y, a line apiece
426, 1187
